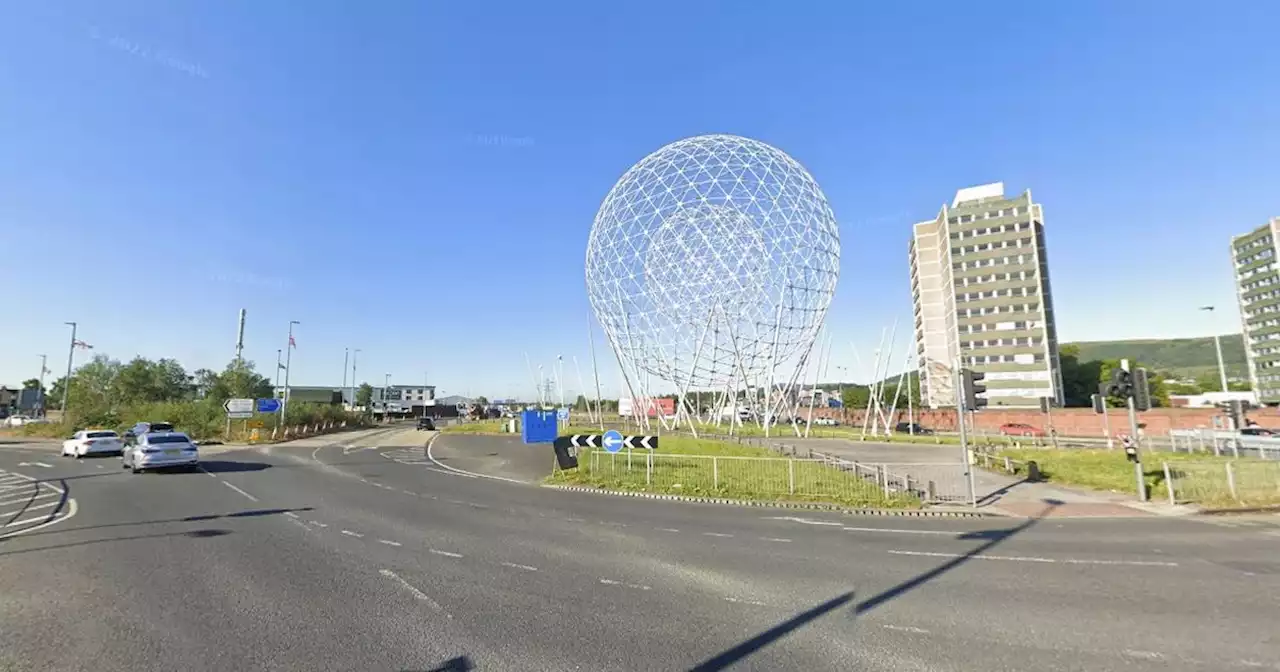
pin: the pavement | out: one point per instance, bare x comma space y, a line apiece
363, 552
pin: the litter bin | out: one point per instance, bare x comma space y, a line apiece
1033, 472
566, 454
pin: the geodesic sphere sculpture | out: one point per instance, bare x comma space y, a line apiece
712, 260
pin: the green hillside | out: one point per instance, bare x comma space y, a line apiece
1175, 357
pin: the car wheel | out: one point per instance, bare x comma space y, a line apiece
135, 469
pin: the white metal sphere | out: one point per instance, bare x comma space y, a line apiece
712, 260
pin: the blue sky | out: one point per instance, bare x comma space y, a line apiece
417, 179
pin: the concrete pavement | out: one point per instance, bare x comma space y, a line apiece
348, 556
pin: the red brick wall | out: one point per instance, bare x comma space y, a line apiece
1070, 421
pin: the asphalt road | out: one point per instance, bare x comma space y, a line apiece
343, 557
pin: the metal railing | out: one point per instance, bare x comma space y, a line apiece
1222, 484
1222, 442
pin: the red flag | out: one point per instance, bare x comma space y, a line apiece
292, 344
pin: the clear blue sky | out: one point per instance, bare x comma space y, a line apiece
164, 164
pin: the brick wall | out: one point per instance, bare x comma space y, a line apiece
1070, 421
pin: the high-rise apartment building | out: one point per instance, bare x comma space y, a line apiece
1253, 256
980, 289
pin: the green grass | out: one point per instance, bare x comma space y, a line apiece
683, 465
475, 427
1198, 477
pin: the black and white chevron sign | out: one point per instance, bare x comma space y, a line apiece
584, 440
646, 442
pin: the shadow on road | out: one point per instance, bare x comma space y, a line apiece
228, 467
252, 513
190, 534
459, 664
736, 654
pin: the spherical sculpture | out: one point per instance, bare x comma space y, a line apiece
712, 262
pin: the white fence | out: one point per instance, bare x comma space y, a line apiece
1223, 483
1228, 443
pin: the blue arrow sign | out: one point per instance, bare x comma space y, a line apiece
268, 405
613, 441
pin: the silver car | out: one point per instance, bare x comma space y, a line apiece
161, 451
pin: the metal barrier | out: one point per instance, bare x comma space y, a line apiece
1222, 484
1222, 442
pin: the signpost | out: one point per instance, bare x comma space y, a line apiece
268, 405
239, 408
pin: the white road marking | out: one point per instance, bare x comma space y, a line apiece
30, 498
409, 492
349, 533
906, 628
611, 582
893, 531
806, 521
207, 473
301, 524
317, 523
777, 539
233, 487
99, 466
35, 464
526, 568
71, 512
438, 463
291, 514
667, 529
413, 590
446, 554
16, 512
388, 542
1064, 561
450, 473
1144, 655
56, 516
736, 600
716, 534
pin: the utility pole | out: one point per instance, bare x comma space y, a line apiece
40, 406
386, 389
240, 339
66, 383
1217, 345
354, 354
288, 364
276, 389
346, 359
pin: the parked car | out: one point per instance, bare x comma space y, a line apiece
425, 423
1254, 430
1020, 429
93, 442
911, 428
131, 434
161, 450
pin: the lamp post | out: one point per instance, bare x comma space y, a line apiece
71, 355
288, 362
1217, 345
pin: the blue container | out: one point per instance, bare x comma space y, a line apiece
538, 426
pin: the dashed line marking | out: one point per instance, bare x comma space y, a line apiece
207, 473
806, 521
527, 568
413, 590
349, 533
779, 540
716, 534
409, 492
388, 542
291, 514
317, 523
737, 600
233, 487
1064, 561
611, 582
1144, 655
667, 529
446, 554
893, 531
906, 628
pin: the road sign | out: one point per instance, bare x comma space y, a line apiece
563, 414
584, 440
613, 441
646, 442
268, 405
239, 408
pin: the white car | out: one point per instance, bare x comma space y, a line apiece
160, 451
93, 442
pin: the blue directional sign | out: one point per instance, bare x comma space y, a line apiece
563, 414
613, 441
268, 405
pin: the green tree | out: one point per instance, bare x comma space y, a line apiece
856, 396
1079, 378
31, 384
240, 380
482, 401
581, 403
364, 395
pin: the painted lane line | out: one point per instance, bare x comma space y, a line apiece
667, 529
716, 534
349, 533
906, 628
526, 568
233, 487
99, 466
33, 519
446, 554
72, 509
388, 542
301, 524
1063, 561
737, 600
317, 523
291, 514
409, 492
776, 539
449, 473
35, 464
1144, 655
16, 512
29, 498
893, 531
413, 590
440, 464
611, 582
806, 521
207, 473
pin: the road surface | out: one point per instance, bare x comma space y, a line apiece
364, 555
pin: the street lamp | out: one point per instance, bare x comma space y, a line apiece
354, 354
288, 363
66, 382
1217, 345
386, 390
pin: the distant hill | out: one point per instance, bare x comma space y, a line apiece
1175, 357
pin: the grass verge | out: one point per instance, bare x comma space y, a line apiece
703, 467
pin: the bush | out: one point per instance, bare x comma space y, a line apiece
202, 420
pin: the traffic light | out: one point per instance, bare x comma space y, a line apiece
1044, 404
972, 386
1121, 384
1141, 391
1236, 408
1099, 403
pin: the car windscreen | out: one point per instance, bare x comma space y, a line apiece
171, 438
101, 435
161, 427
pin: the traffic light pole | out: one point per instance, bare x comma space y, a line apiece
964, 437
1133, 436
